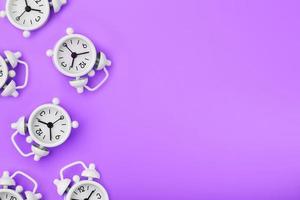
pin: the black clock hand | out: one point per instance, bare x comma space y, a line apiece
90, 195
36, 10
19, 17
50, 133
82, 53
72, 64
61, 118
26, 2
66, 45
42, 122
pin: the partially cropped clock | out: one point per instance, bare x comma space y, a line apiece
89, 190
7, 194
3, 72
7, 73
29, 15
11, 191
49, 126
75, 55
85, 189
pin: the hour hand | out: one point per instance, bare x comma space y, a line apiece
42, 122
37, 10
83, 53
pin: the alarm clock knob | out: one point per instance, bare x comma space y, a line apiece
10, 90
57, 4
32, 196
20, 125
79, 84
62, 185
39, 152
102, 61
6, 180
91, 172
2, 13
12, 58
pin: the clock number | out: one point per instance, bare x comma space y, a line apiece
39, 132
84, 46
82, 64
63, 64
37, 1
57, 137
98, 196
81, 189
42, 113
13, 198
1, 73
38, 18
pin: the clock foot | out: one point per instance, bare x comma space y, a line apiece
26, 34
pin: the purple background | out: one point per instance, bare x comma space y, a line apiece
203, 101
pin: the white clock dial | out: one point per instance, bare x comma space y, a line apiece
87, 190
49, 125
75, 55
7, 194
3, 72
28, 14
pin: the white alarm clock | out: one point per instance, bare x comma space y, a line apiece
11, 191
76, 56
86, 189
49, 126
7, 85
29, 15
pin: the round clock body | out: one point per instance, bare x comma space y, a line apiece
28, 15
49, 125
3, 72
8, 194
74, 55
87, 190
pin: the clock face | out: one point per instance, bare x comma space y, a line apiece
3, 72
7, 194
28, 14
49, 125
75, 55
87, 190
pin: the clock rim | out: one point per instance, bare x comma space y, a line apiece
30, 123
59, 44
31, 28
72, 189
3, 63
12, 191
